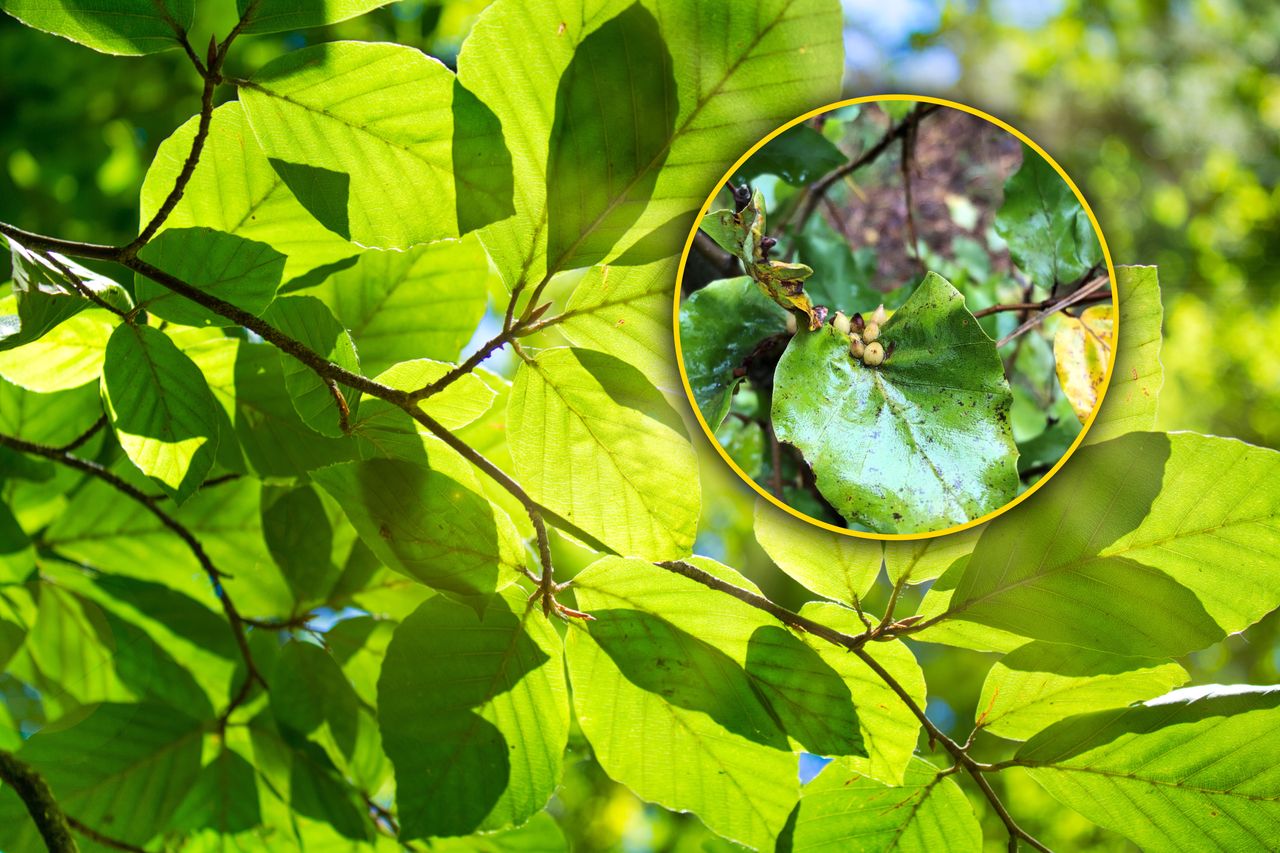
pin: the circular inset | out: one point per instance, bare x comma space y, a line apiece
896, 317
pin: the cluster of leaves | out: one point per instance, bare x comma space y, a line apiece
253, 598
934, 436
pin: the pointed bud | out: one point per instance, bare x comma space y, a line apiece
880, 315
874, 355
841, 323
871, 332
858, 323
741, 198
766, 246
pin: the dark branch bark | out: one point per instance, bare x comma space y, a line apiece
105, 840
40, 802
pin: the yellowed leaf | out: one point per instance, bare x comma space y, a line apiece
1082, 350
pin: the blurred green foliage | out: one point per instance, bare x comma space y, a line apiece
1166, 112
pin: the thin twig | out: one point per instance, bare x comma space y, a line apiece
84, 436
819, 188
908, 155
1071, 299
105, 840
43, 807
93, 469
80, 287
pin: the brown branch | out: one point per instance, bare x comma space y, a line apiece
105, 840
1080, 295
79, 285
908, 153
36, 795
96, 251
1035, 306
84, 436
819, 188
93, 469
212, 77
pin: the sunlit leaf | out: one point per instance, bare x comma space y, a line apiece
243, 272
833, 565
1130, 401
122, 27
1082, 353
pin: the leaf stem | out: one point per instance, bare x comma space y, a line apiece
105, 840
36, 795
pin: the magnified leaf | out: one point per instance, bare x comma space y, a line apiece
798, 156
921, 442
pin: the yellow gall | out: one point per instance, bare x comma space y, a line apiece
871, 332
874, 355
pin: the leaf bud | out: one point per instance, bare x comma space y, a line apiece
741, 198
871, 332
874, 355
841, 322
766, 246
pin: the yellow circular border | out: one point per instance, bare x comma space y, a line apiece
1106, 254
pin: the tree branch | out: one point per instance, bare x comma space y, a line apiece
36, 795
1067, 301
105, 840
96, 251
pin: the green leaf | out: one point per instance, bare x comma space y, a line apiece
921, 442
455, 406
615, 113
1049, 235
224, 797
426, 524
1107, 556
308, 320
1041, 683
423, 303
278, 16
540, 835
833, 565
1195, 769
842, 277
234, 190
44, 294
841, 807
338, 119
310, 696
915, 561
887, 726
160, 408
243, 272
1130, 400
798, 155
475, 715
121, 27
766, 69
299, 534
17, 557
720, 325
584, 431
73, 648
626, 312
666, 659
248, 381
57, 419
121, 769
103, 529
68, 356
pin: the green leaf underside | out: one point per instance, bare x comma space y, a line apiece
307, 319
426, 524
423, 303
844, 810
1196, 769
615, 112
119, 768
1041, 683
234, 190
455, 406
475, 715
243, 272
920, 443
1129, 404
584, 429
756, 77
720, 325
626, 312
710, 745
121, 27
68, 356
798, 155
833, 565
1150, 544
160, 408
276, 16
1049, 235
363, 134
43, 294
